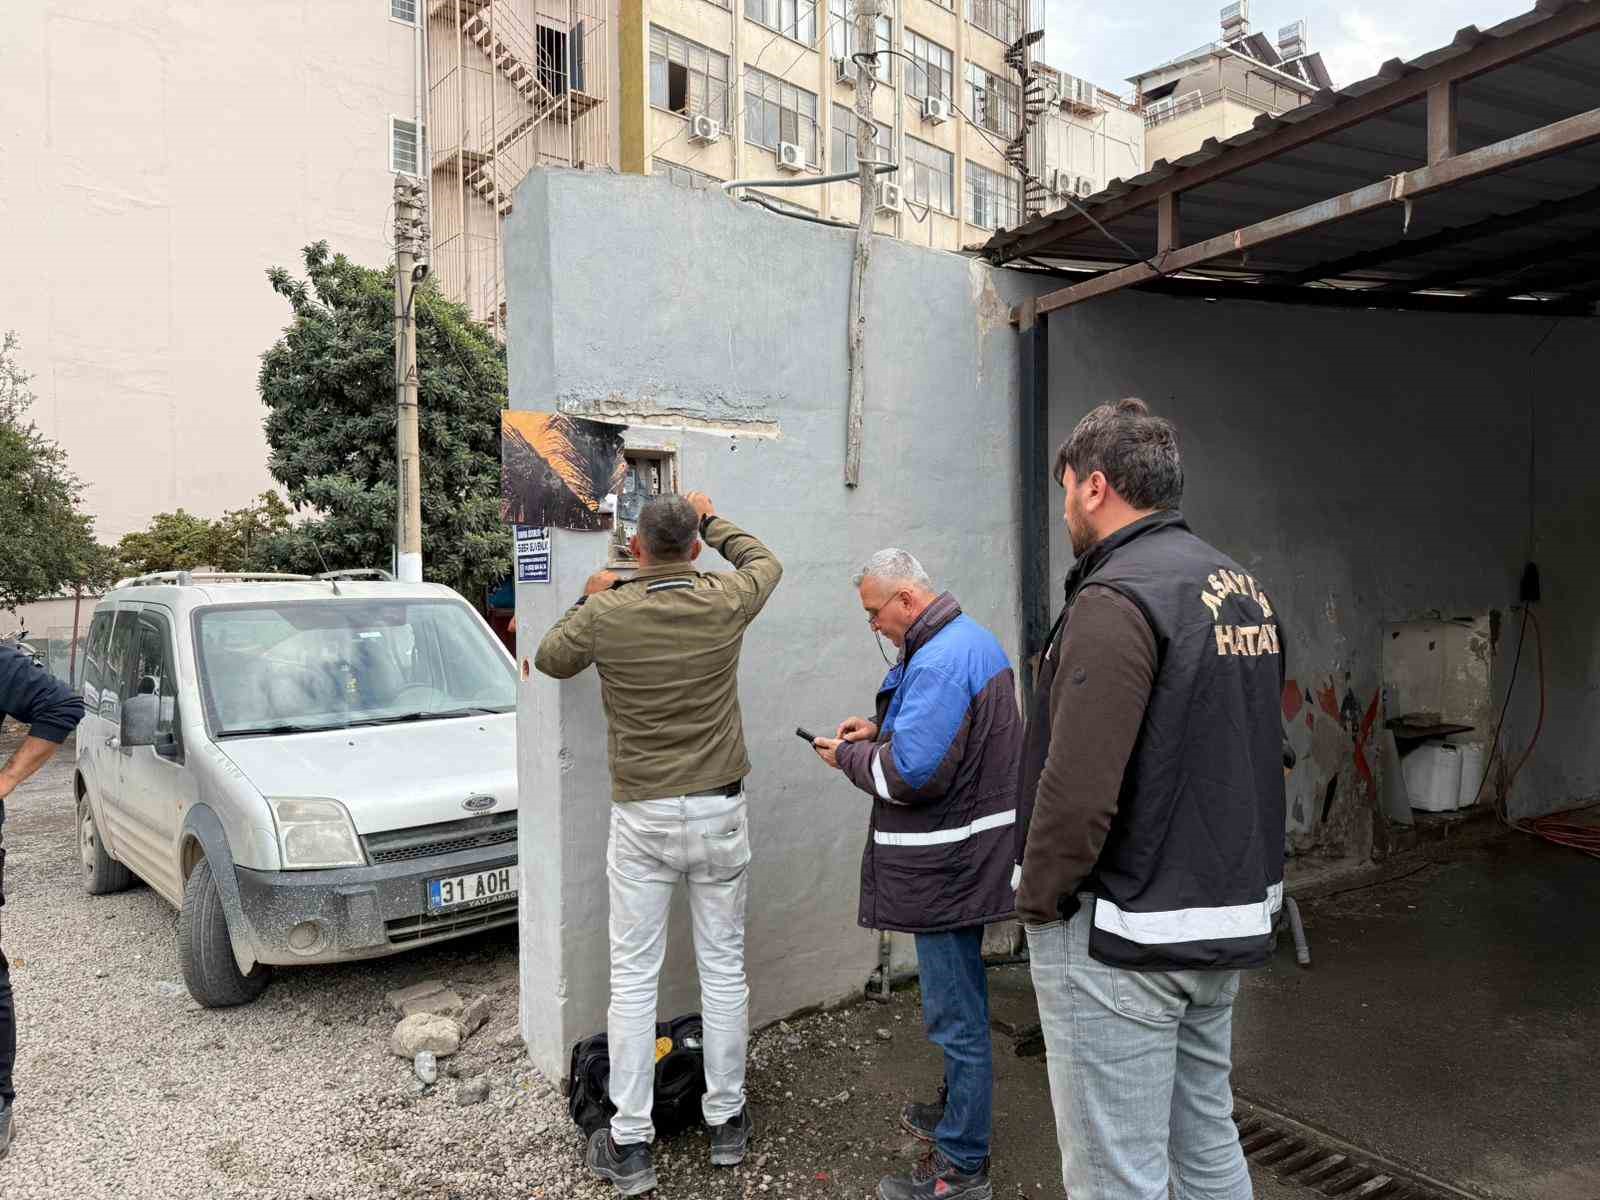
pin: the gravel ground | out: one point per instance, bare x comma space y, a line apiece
128, 1089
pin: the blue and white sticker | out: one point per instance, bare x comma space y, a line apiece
533, 553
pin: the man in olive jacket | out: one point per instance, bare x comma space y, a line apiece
666, 645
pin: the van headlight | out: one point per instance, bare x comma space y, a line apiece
315, 833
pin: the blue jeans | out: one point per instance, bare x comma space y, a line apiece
1139, 1065
955, 1015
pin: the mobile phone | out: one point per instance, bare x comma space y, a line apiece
805, 735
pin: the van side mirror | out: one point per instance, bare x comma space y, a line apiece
140, 716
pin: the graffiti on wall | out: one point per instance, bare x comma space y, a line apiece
1340, 733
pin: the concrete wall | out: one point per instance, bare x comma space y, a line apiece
720, 329
1370, 468
158, 158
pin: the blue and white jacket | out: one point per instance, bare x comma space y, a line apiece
942, 772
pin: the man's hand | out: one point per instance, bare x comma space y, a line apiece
600, 581
703, 507
857, 729
828, 750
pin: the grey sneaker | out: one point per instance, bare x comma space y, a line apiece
920, 1120
731, 1140
937, 1178
5, 1129
628, 1168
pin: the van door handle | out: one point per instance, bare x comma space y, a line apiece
114, 743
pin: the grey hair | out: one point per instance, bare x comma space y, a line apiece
896, 566
668, 526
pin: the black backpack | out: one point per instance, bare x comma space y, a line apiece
680, 1080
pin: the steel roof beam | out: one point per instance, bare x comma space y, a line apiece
1489, 269
1517, 151
1538, 214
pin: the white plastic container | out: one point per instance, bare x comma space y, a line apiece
1471, 775
1433, 777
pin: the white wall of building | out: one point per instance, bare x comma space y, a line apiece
156, 157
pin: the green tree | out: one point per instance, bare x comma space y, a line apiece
242, 539
328, 384
47, 542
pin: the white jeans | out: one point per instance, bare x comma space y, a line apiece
654, 844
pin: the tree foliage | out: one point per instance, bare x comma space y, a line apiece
242, 539
328, 384
47, 542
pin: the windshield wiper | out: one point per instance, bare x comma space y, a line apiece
439, 714
257, 730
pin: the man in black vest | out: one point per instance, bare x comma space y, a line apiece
1153, 864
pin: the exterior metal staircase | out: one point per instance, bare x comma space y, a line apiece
1035, 101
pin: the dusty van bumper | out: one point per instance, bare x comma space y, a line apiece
362, 912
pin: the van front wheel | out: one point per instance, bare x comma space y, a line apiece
206, 951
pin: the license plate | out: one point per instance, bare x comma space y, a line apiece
469, 891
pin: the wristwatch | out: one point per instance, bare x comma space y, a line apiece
704, 520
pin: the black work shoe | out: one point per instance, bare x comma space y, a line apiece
627, 1167
5, 1129
935, 1177
731, 1139
920, 1120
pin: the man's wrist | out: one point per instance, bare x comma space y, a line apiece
705, 521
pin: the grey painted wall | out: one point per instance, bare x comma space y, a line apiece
720, 329
1373, 467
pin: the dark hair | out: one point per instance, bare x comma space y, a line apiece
668, 526
1136, 452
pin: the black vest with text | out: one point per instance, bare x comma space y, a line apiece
1191, 874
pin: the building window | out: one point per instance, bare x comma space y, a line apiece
1003, 18
686, 78
993, 102
994, 201
928, 175
932, 70
775, 111
404, 10
845, 124
406, 143
684, 177
795, 19
560, 58
842, 34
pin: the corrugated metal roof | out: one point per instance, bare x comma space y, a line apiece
1547, 245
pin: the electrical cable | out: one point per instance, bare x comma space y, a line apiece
1494, 742
1026, 176
783, 212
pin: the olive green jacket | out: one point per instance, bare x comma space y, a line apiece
666, 644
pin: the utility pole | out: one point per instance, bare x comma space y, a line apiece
410, 236
866, 40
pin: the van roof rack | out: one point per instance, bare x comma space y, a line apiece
358, 573
187, 578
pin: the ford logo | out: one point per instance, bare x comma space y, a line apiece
478, 803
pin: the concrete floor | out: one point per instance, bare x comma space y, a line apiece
1450, 1021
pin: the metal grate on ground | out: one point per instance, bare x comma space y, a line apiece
1329, 1166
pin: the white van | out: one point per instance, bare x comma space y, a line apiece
312, 769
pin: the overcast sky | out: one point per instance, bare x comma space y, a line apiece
1107, 40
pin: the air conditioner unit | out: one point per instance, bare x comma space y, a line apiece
935, 110
791, 157
844, 71
1085, 186
1060, 181
1083, 92
703, 129
890, 198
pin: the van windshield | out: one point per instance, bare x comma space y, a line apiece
306, 665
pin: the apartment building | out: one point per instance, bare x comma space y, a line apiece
1219, 89
715, 90
158, 159
1086, 137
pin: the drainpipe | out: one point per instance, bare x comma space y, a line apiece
1033, 466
